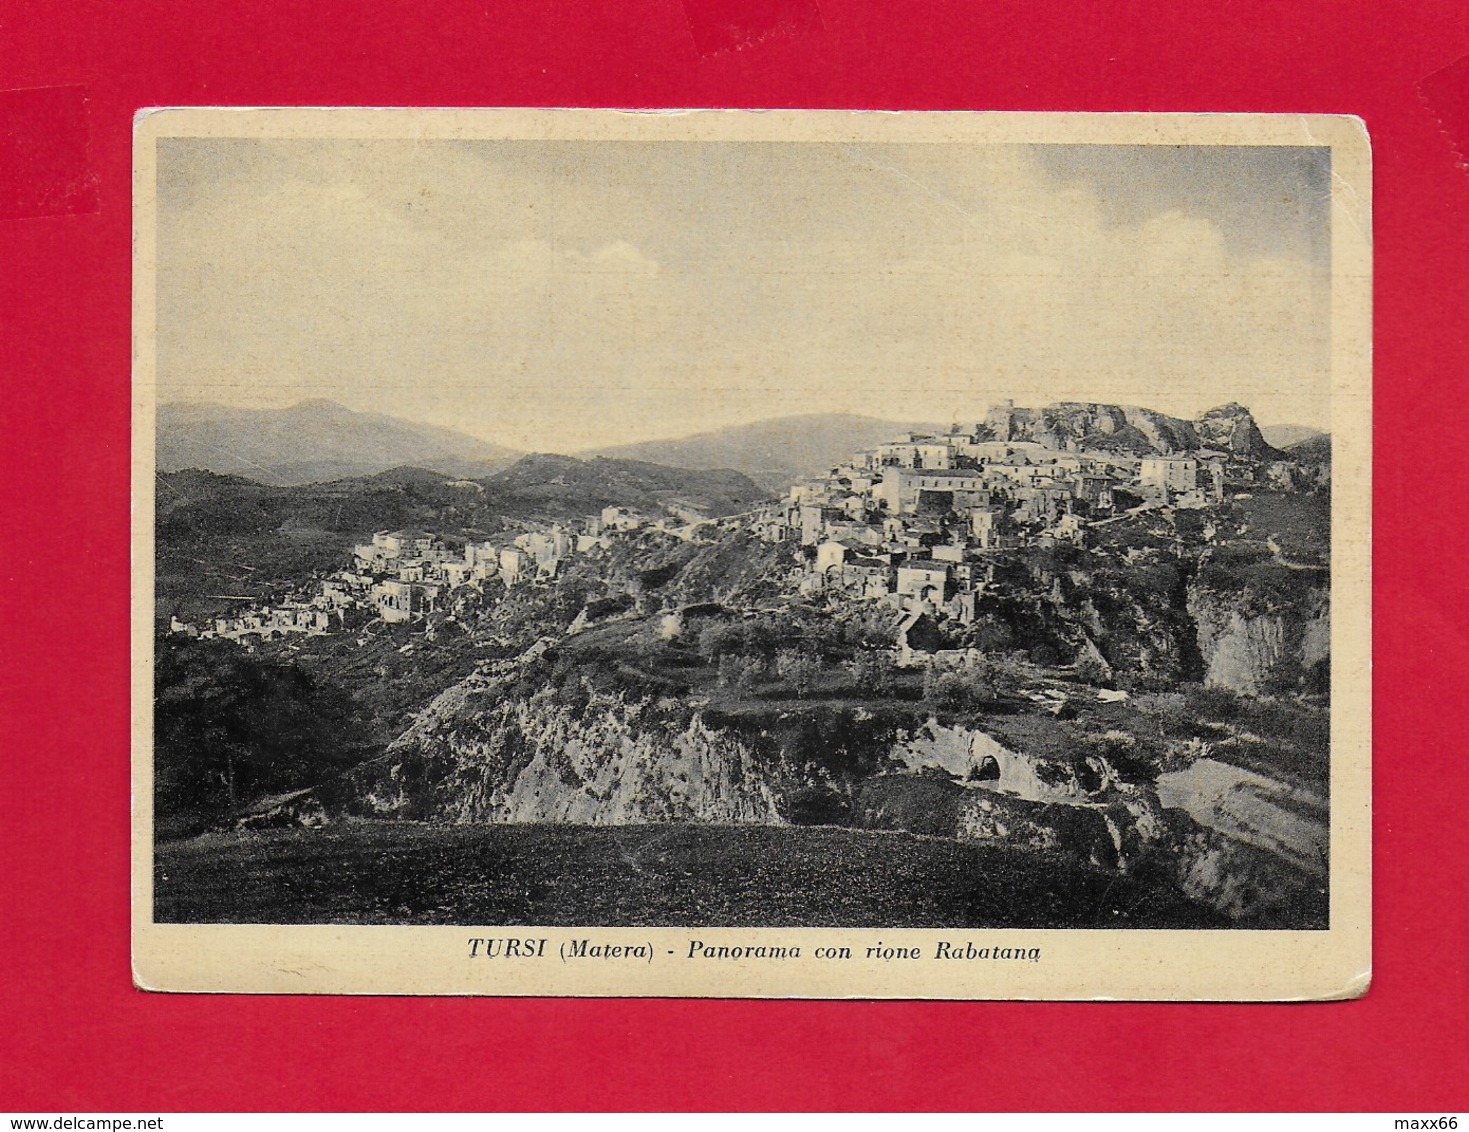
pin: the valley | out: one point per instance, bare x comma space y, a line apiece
1068, 667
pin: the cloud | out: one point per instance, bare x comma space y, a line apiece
567, 296
617, 258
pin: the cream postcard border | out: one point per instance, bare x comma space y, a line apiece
1223, 965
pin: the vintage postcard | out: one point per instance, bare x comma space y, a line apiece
785, 554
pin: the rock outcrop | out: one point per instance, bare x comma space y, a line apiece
1244, 882
1258, 647
1229, 428
964, 752
1093, 425
475, 757
1250, 849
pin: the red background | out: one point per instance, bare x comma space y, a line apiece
76, 1036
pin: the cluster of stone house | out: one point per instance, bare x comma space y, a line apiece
261, 624
913, 522
403, 576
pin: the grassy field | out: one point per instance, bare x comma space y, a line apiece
677, 875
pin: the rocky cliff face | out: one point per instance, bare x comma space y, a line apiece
1130, 618
1258, 647
1228, 428
474, 757
1245, 882
1120, 427
1249, 847
1231, 428
1082, 808
969, 753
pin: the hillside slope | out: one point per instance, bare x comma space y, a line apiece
229, 535
556, 486
1287, 436
774, 453
312, 441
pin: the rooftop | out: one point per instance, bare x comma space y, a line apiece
924, 564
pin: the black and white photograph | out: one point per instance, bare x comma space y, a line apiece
752, 537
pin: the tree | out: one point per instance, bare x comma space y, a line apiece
872, 670
230, 728
965, 690
741, 673
721, 639
800, 668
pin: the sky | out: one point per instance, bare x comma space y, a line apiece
559, 296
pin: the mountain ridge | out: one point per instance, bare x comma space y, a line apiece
774, 452
1287, 436
318, 440
780, 451
312, 441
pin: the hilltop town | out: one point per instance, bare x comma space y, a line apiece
915, 525
1091, 639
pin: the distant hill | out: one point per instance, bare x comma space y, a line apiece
1288, 435
565, 485
220, 536
193, 504
311, 442
774, 453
